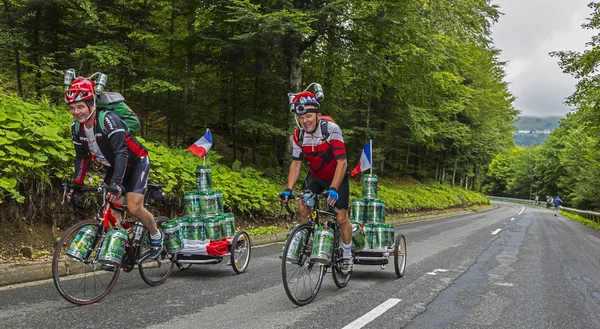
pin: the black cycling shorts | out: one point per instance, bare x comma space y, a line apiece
136, 176
317, 185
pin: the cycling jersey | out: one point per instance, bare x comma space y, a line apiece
321, 154
117, 146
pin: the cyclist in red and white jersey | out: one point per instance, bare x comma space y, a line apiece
326, 153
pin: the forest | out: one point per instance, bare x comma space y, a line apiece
422, 79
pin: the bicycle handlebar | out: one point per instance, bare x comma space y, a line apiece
156, 194
301, 196
80, 188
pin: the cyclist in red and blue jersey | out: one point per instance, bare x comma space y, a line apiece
112, 146
326, 153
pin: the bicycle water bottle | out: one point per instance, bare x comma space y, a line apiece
137, 232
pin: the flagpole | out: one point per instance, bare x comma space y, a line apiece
371, 153
204, 160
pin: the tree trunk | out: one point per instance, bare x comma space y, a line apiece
169, 106
234, 110
18, 72
407, 160
443, 180
454, 173
145, 114
255, 107
35, 46
294, 79
17, 55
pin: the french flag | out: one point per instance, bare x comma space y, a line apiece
201, 146
365, 160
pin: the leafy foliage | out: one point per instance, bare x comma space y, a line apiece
414, 196
35, 144
422, 79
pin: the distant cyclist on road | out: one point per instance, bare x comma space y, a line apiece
326, 153
124, 156
557, 203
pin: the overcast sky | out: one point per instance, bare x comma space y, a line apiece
526, 33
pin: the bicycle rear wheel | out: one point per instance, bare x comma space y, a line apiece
400, 255
154, 271
302, 278
82, 281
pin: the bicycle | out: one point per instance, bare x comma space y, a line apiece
297, 264
80, 278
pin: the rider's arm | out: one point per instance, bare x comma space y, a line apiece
297, 157
336, 139
117, 134
82, 157
340, 172
294, 173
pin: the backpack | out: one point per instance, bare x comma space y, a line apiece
324, 131
115, 102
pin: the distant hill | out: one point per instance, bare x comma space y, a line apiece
527, 140
536, 128
538, 123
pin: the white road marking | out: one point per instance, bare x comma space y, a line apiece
496, 231
373, 314
438, 270
512, 218
521, 211
505, 284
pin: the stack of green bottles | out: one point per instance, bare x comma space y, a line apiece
370, 211
204, 218
207, 228
203, 204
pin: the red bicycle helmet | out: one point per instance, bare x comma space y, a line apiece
305, 102
81, 89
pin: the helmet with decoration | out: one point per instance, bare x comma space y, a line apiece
81, 89
305, 102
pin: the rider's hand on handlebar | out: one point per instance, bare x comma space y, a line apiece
115, 191
285, 195
332, 196
70, 190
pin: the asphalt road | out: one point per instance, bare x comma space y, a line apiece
509, 267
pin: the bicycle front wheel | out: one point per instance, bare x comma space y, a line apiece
77, 275
154, 271
301, 278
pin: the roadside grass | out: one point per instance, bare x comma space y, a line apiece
265, 230
584, 221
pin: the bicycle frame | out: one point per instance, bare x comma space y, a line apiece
316, 213
109, 221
